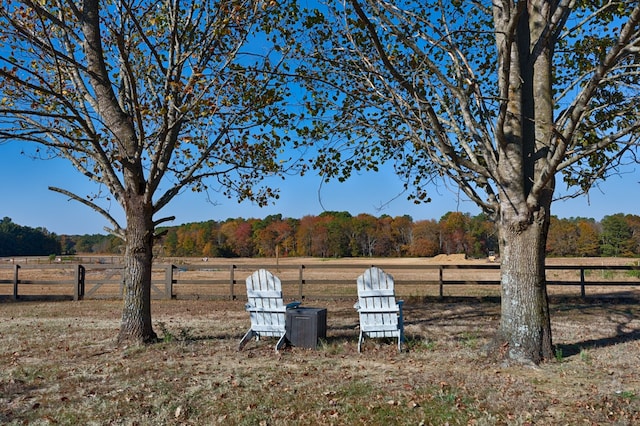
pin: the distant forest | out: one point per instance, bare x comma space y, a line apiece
16, 240
339, 234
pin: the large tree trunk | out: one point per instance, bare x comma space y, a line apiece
136, 327
525, 326
525, 183
136, 315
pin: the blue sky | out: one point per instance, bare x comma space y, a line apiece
28, 202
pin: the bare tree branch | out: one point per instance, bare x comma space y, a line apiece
117, 229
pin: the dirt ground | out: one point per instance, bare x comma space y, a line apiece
60, 366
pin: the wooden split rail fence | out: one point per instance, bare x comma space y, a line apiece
317, 281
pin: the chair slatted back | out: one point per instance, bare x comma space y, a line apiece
377, 303
265, 305
380, 313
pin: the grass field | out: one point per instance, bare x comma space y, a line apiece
60, 366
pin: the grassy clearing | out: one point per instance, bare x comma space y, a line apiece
59, 366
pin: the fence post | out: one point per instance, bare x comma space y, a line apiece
16, 268
441, 281
300, 281
78, 291
232, 281
582, 289
168, 282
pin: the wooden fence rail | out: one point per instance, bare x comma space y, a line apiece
326, 280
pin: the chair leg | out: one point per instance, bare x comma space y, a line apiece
281, 342
400, 325
246, 339
360, 340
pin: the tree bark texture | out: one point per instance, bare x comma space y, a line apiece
525, 325
136, 324
525, 185
134, 195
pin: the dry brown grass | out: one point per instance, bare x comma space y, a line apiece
60, 366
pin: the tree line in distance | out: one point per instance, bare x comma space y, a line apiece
339, 234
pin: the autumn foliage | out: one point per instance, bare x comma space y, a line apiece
339, 234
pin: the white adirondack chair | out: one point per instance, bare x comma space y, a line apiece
266, 308
380, 314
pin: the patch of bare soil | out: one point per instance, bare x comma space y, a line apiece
60, 366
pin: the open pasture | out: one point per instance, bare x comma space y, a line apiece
60, 366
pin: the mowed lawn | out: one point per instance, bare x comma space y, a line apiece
60, 366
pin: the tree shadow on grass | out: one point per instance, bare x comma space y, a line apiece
571, 349
619, 309
434, 310
36, 298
